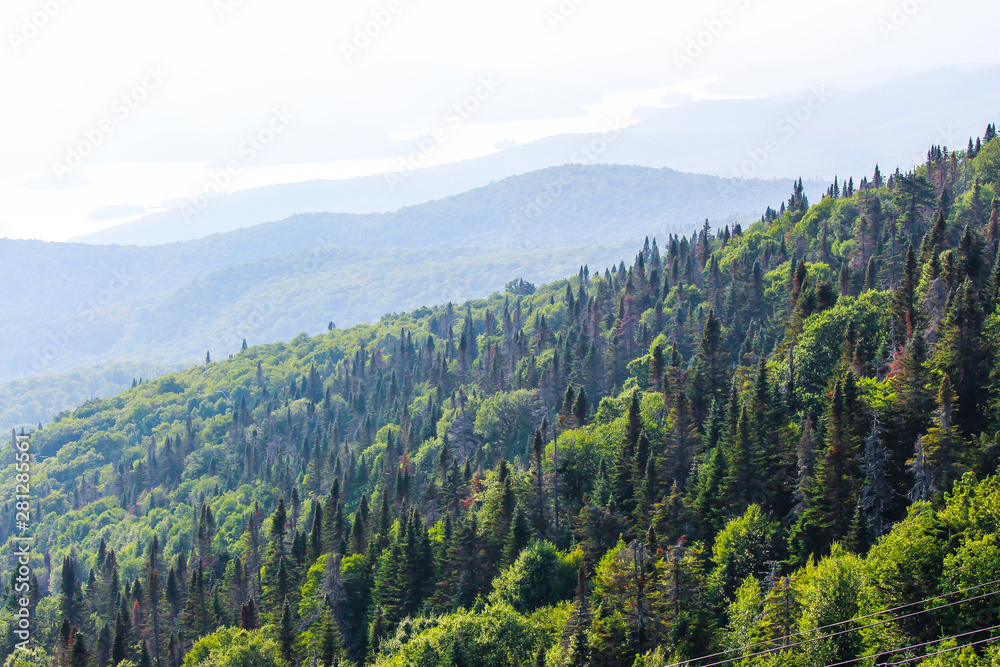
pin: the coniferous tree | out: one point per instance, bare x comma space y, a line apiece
710, 371
623, 492
738, 484
831, 488
120, 644
80, 655
878, 497
517, 537
577, 631
286, 634
70, 592
153, 598
539, 519
248, 615
963, 357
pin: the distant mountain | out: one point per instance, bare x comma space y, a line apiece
368, 194
29, 401
80, 304
818, 132
759, 436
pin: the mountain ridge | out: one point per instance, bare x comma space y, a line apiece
752, 431
95, 318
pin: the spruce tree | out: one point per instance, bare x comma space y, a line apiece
80, 655
623, 491
286, 634
539, 520
517, 537
248, 615
710, 370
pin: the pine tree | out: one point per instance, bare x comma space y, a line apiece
781, 610
517, 537
198, 618
914, 398
738, 484
710, 370
903, 305
330, 648
465, 564
120, 644
871, 275
316, 532
80, 655
878, 497
681, 439
623, 491
576, 632
248, 615
153, 597
539, 519
286, 634
831, 488
940, 459
964, 359
858, 539
70, 593
581, 408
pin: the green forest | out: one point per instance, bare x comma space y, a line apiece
77, 305
771, 444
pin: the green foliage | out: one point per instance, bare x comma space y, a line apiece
819, 348
497, 635
828, 593
507, 419
34, 656
743, 548
235, 647
541, 576
792, 427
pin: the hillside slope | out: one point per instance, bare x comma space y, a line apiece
740, 438
81, 305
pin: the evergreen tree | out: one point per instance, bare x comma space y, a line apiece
248, 615
517, 537
286, 634
539, 519
80, 655
738, 484
70, 593
963, 357
710, 370
832, 487
120, 645
623, 491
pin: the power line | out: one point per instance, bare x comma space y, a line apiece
920, 657
777, 649
832, 625
947, 650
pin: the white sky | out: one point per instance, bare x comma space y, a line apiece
225, 76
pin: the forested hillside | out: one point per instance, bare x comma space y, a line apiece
28, 401
769, 445
75, 305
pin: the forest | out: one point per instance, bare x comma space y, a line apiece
80, 305
770, 444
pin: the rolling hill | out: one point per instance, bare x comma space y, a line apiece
78, 305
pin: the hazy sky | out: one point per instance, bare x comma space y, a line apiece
129, 103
